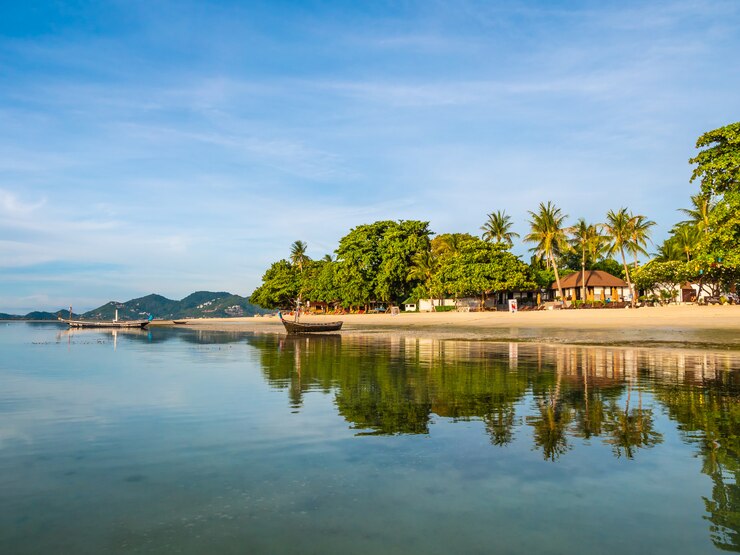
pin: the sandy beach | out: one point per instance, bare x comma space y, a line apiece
679, 326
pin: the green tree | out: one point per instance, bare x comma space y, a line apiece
619, 227
280, 286
718, 168
718, 165
479, 268
687, 239
298, 256
586, 239
423, 269
699, 213
548, 233
639, 236
374, 260
497, 228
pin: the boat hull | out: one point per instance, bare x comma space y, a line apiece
107, 324
299, 327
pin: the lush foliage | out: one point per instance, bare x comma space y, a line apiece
392, 261
481, 268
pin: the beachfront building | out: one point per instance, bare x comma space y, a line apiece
429, 305
600, 286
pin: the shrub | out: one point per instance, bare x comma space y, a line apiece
444, 308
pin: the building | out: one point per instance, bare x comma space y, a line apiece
600, 286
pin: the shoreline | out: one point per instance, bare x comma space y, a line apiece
683, 326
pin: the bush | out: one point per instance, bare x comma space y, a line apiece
444, 308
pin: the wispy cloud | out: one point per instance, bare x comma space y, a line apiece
192, 160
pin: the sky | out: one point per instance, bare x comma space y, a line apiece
168, 147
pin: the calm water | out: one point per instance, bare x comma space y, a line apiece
192, 442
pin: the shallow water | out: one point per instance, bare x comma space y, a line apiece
179, 441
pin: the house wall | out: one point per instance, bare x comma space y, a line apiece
426, 305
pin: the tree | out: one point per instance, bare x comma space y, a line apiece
280, 286
480, 268
687, 239
358, 259
639, 236
667, 275
298, 255
497, 228
400, 243
549, 235
718, 165
718, 168
619, 227
699, 214
374, 260
587, 239
318, 281
423, 269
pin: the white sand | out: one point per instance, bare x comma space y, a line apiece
686, 325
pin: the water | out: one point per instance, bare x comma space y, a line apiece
177, 441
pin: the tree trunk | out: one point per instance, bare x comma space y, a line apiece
557, 277
583, 276
627, 275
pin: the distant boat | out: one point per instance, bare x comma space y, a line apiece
179, 322
300, 327
106, 323
115, 323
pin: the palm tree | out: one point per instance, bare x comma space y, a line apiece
424, 265
549, 235
619, 227
669, 250
686, 238
588, 239
702, 207
640, 235
298, 255
496, 229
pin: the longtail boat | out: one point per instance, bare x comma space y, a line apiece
106, 323
301, 327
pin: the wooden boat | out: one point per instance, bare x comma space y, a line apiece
120, 324
180, 322
301, 327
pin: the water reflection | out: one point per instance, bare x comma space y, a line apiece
563, 394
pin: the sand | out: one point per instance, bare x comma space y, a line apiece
682, 326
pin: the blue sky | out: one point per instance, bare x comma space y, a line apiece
176, 146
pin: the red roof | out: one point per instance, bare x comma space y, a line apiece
594, 278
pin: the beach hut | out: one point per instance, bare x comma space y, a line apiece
600, 286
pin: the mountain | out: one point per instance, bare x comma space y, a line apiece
201, 304
39, 315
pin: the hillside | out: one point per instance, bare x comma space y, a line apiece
201, 304
39, 315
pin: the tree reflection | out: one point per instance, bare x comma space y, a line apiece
630, 429
708, 412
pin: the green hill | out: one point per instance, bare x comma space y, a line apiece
201, 304
39, 315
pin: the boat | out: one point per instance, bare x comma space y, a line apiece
120, 324
301, 327
180, 322
115, 323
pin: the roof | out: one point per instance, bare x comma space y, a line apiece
594, 278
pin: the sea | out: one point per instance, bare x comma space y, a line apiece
176, 440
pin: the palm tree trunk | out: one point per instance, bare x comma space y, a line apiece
583, 275
627, 275
557, 276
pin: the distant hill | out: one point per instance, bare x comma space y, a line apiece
201, 304
39, 315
